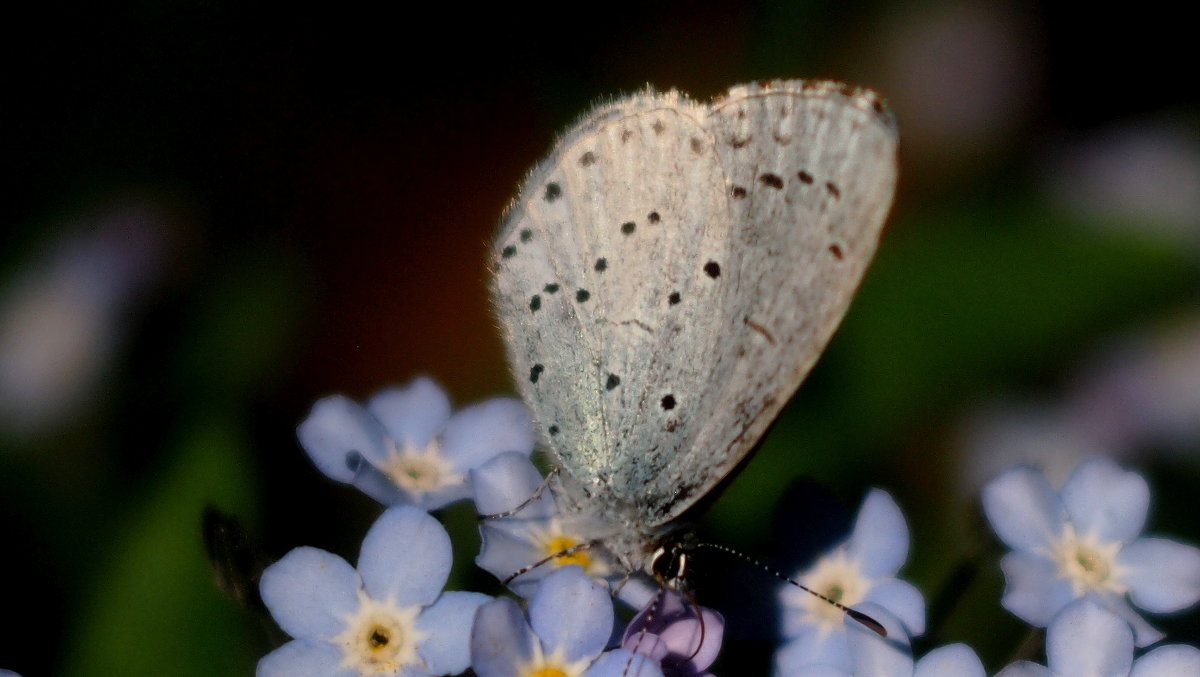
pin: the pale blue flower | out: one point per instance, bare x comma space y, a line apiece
405, 447
388, 617
537, 532
875, 656
1084, 541
570, 622
1087, 640
861, 571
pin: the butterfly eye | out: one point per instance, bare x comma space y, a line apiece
669, 564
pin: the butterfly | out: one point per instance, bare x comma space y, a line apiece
667, 277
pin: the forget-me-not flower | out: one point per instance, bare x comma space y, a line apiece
1084, 541
669, 630
875, 656
1087, 640
388, 617
862, 570
405, 447
570, 622
535, 532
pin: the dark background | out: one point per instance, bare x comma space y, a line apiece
217, 213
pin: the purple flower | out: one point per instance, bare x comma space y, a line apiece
405, 447
570, 621
534, 533
862, 570
1083, 541
669, 631
1087, 639
388, 617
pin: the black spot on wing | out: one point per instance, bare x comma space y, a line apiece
805, 177
628, 227
526, 235
582, 295
553, 192
553, 430
550, 288
601, 265
612, 382
712, 269
833, 189
508, 252
535, 303
668, 402
673, 298
737, 192
535, 372
587, 159
653, 217
771, 181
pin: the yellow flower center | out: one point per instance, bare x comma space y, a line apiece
554, 665
839, 579
420, 470
562, 543
380, 638
1087, 563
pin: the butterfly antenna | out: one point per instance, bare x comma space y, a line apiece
524, 504
650, 613
859, 616
566, 552
621, 585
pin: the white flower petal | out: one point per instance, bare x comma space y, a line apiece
904, 601
1173, 660
302, 658
1144, 634
500, 639
1023, 509
1033, 590
1088, 640
879, 541
573, 612
1162, 575
405, 557
446, 625
814, 648
334, 428
309, 592
1105, 501
1025, 669
955, 660
481, 431
414, 413
622, 663
507, 481
876, 656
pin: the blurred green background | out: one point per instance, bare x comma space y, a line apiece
219, 212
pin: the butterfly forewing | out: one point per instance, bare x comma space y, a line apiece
599, 283
671, 272
811, 171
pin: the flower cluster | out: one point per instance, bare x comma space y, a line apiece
1079, 567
